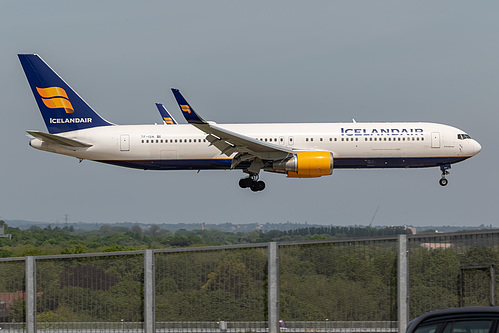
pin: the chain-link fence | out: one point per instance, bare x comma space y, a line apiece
452, 270
12, 295
210, 286
351, 285
324, 285
97, 289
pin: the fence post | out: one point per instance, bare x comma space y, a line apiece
149, 293
403, 284
30, 295
273, 272
492, 285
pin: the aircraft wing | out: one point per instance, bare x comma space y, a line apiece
53, 138
229, 142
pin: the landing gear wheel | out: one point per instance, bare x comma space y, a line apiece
261, 185
444, 168
245, 182
258, 186
252, 182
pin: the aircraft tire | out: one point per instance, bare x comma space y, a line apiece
261, 185
443, 181
258, 186
246, 182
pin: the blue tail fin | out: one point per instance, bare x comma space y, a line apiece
189, 114
167, 117
62, 108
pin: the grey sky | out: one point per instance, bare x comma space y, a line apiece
255, 61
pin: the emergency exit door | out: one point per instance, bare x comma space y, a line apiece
435, 140
125, 142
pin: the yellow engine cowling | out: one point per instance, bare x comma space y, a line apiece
307, 164
312, 164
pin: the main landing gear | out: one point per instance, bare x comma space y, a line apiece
253, 183
443, 181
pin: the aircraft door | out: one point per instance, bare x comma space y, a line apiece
291, 141
281, 141
435, 140
125, 142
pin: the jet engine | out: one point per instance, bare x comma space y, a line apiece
307, 164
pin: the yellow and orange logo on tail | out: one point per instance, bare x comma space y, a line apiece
185, 108
168, 120
55, 98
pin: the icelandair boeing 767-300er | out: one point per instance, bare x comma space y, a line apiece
294, 149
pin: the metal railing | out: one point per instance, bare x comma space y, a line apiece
349, 285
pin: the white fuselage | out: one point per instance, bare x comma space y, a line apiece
354, 145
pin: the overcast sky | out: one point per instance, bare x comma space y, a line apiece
254, 61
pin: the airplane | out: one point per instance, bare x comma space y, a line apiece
298, 150
167, 117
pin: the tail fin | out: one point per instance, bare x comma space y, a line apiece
61, 107
167, 117
189, 114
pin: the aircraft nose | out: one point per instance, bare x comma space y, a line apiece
476, 147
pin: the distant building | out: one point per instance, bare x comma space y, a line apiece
413, 230
2, 230
434, 246
8, 299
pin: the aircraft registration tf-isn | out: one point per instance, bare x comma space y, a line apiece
296, 150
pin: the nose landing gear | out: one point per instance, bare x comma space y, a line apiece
252, 182
443, 181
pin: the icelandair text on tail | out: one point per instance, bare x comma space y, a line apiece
70, 120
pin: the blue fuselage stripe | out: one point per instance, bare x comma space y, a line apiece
339, 163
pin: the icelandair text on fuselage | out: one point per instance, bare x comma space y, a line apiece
380, 131
70, 120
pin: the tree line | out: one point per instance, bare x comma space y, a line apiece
67, 240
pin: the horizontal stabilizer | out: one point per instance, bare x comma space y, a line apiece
53, 138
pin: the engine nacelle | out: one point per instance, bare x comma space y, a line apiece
307, 164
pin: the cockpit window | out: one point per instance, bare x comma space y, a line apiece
463, 136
